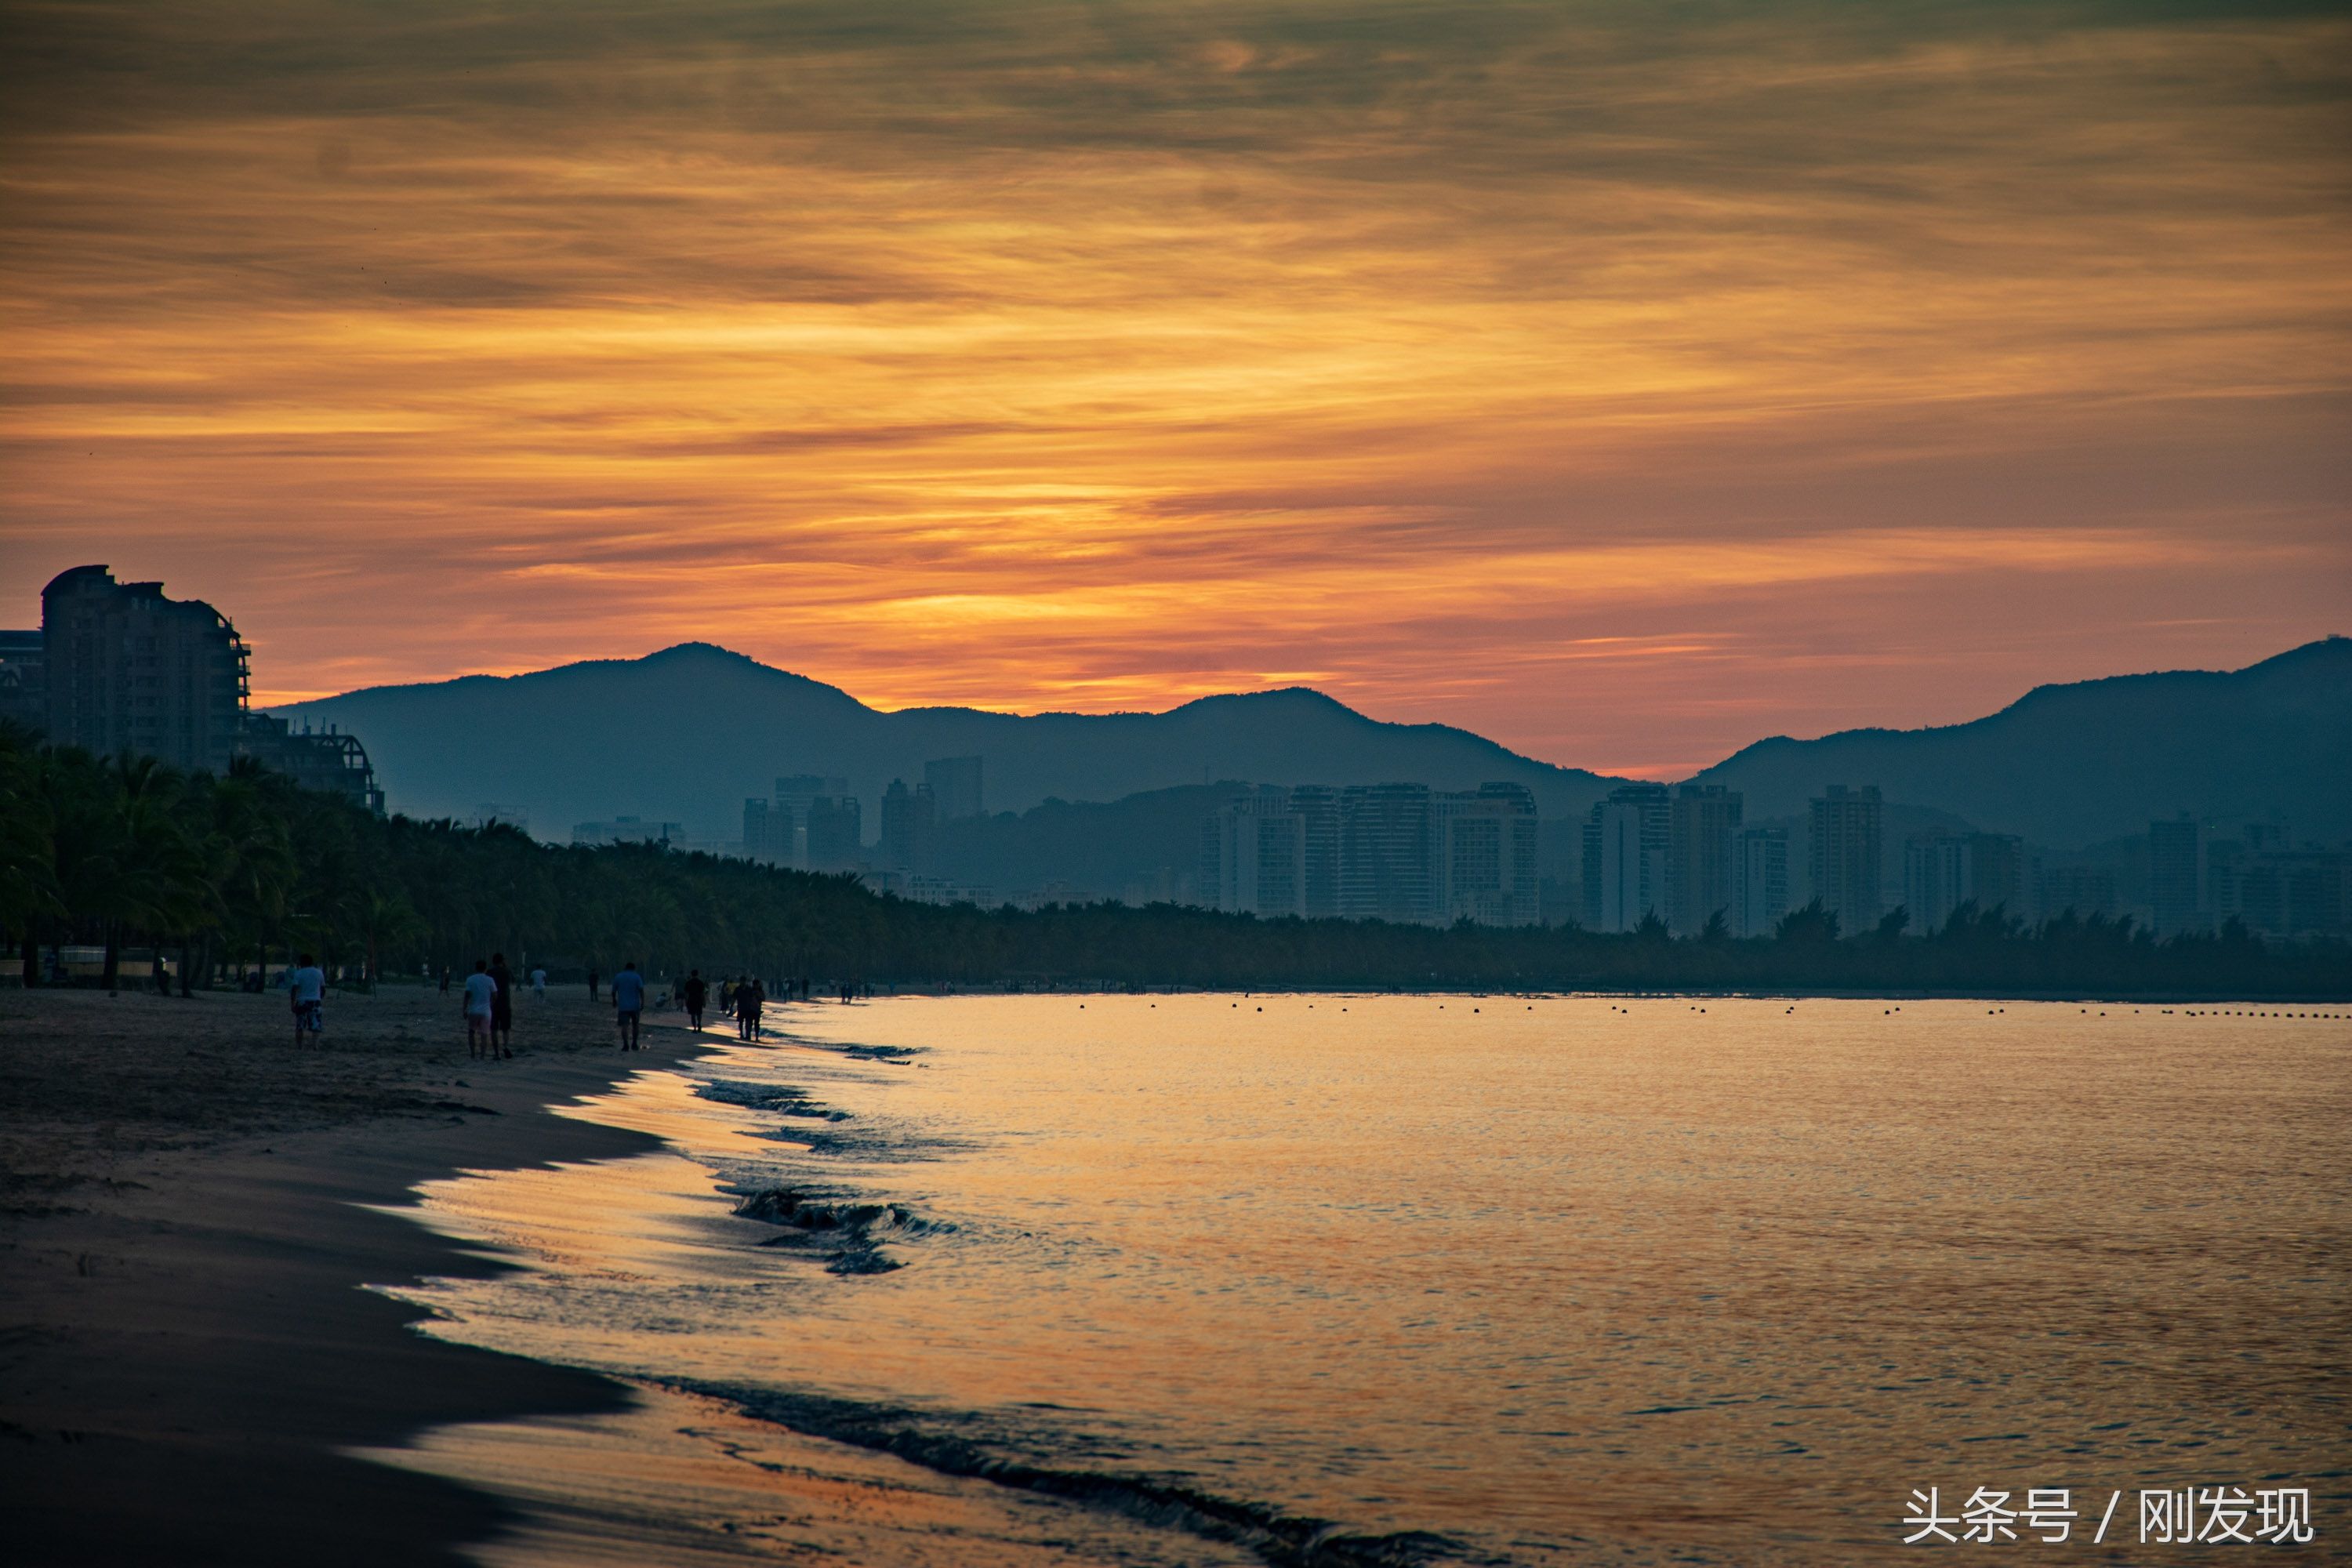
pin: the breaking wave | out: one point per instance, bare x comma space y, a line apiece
848, 1234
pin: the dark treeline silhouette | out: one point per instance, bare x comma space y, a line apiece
243, 869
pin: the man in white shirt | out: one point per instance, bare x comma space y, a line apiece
307, 983
538, 983
480, 989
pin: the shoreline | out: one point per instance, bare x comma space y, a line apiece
189, 1354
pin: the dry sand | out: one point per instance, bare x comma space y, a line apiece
184, 1347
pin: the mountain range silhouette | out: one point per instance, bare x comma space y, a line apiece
685, 734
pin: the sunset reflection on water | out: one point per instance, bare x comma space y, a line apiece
1555, 1279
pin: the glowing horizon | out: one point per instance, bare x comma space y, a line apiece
1622, 392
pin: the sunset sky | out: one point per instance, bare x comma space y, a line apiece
1623, 382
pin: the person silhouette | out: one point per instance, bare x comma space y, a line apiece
306, 984
481, 992
629, 1004
502, 1005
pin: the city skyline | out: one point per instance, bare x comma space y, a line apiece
1462, 368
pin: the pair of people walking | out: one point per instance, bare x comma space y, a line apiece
750, 996
490, 1008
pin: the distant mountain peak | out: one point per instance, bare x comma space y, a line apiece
700, 651
1275, 696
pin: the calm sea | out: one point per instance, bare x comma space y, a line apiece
1403, 1279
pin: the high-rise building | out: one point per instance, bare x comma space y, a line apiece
1254, 857
2298, 892
1385, 853
1396, 852
1316, 807
2176, 881
2268, 886
758, 836
1935, 879
1845, 856
1487, 867
129, 670
2000, 875
909, 825
833, 835
1627, 843
1762, 881
955, 784
1702, 828
122, 669
789, 815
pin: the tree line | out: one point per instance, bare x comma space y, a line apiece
242, 871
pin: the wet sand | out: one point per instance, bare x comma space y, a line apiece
186, 1353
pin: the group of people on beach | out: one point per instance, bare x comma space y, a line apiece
488, 1002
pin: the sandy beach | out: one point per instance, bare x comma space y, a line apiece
186, 1348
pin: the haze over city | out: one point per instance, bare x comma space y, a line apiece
1620, 392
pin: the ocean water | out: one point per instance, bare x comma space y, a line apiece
1415, 1279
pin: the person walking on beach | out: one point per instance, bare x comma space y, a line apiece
480, 989
693, 992
538, 983
592, 982
306, 984
750, 997
629, 1004
445, 980
502, 1005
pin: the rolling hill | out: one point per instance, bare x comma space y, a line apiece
2070, 765
687, 734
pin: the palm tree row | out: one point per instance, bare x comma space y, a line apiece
245, 870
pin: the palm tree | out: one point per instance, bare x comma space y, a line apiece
29, 883
250, 860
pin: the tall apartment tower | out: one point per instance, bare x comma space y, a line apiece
1941, 873
758, 845
1385, 853
1254, 857
1846, 854
1487, 868
1762, 881
2000, 875
1626, 840
1935, 879
127, 669
1317, 807
833, 835
1702, 874
955, 784
909, 820
796, 795
2176, 865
